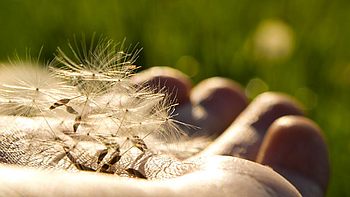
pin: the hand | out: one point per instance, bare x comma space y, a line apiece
292, 147
270, 131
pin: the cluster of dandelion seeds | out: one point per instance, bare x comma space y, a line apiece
82, 112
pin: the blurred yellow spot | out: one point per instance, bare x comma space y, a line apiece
255, 87
189, 65
273, 40
307, 97
339, 74
345, 75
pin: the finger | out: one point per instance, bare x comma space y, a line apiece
243, 138
176, 84
215, 103
295, 147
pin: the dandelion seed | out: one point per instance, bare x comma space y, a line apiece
77, 122
70, 110
29, 87
59, 103
101, 156
135, 173
114, 158
138, 143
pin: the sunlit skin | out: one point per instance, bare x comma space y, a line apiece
265, 148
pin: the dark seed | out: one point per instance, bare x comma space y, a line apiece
70, 110
135, 173
102, 155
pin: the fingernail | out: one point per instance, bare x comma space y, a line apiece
177, 85
295, 145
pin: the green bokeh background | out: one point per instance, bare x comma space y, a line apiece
214, 38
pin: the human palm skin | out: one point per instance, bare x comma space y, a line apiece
266, 148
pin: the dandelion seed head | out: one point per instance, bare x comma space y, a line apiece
92, 117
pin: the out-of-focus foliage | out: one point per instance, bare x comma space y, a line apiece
298, 47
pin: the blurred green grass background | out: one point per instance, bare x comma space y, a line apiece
298, 47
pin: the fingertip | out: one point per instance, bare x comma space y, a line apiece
176, 83
295, 144
269, 106
220, 96
215, 104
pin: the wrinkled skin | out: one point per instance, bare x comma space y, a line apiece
266, 148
